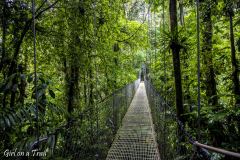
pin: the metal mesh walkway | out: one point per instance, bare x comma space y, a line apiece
135, 139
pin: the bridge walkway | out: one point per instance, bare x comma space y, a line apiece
135, 139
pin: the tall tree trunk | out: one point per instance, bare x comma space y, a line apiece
4, 32
235, 77
72, 87
210, 82
211, 89
177, 68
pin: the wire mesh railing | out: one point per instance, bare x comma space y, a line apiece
166, 123
135, 138
87, 135
100, 125
160, 120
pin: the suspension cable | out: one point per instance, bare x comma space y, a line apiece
165, 74
198, 66
97, 81
149, 36
35, 69
155, 41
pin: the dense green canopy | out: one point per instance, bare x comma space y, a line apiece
87, 50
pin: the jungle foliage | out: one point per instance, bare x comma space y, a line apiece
87, 50
219, 70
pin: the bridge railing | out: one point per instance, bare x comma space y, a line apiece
89, 134
102, 124
115, 107
166, 123
164, 118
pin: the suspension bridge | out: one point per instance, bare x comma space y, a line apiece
133, 123
136, 138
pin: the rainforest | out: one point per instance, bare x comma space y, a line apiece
120, 79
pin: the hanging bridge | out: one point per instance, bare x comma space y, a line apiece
136, 137
133, 123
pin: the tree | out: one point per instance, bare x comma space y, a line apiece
176, 64
210, 82
235, 71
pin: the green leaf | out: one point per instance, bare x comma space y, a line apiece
11, 118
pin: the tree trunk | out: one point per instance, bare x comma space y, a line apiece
210, 82
211, 89
4, 32
72, 77
177, 69
235, 77
72, 87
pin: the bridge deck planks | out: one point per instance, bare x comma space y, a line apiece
135, 139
